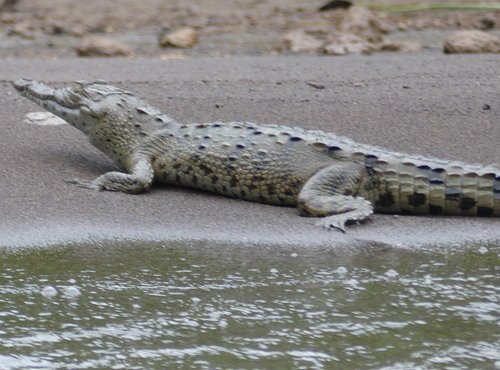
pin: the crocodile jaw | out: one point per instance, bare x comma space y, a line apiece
66, 103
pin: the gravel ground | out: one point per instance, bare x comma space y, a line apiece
54, 28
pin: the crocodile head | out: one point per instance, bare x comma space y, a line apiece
113, 119
87, 106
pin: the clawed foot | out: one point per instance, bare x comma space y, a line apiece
341, 220
85, 184
116, 181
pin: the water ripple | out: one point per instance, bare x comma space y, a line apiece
218, 309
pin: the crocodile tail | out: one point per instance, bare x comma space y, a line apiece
431, 186
473, 191
496, 197
464, 190
496, 190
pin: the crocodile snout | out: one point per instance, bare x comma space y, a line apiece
34, 89
21, 83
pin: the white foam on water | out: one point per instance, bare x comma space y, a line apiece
48, 291
71, 291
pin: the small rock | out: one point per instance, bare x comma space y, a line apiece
342, 43
8, 4
335, 4
7, 18
173, 56
23, 30
56, 28
315, 84
185, 37
486, 107
43, 119
334, 49
408, 46
59, 28
486, 22
471, 42
402, 26
364, 23
299, 41
102, 46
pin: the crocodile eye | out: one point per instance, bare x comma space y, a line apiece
85, 110
78, 90
77, 87
74, 97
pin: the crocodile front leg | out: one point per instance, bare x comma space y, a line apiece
330, 194
139, 181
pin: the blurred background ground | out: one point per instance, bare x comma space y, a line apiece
57, 28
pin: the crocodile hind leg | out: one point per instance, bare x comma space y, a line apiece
138, 181
331, 194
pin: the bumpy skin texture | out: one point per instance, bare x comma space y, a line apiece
322, 174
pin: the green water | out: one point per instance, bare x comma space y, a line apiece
229, 307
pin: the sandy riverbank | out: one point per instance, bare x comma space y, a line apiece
430, 104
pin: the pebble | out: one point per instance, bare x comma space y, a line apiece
345, 43
43, 119
102, 46
471, 42
487, 22
185, 37
335, 4
316, 85
362, 22
405, 46
299, 41
22, 30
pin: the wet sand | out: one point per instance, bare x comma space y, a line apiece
425, 103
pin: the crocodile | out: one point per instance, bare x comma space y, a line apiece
321, 174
